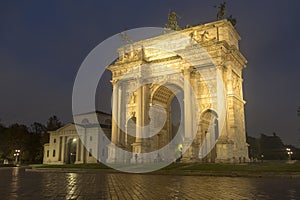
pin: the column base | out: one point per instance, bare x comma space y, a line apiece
189, 155
113, 154
139, 154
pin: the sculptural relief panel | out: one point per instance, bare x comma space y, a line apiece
236, 84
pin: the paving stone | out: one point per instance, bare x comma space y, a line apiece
15, 183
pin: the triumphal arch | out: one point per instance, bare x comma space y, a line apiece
205, 65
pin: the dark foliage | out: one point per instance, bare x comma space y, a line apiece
271, 147
29, 140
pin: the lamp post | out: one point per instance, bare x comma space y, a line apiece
17, 154
290, 153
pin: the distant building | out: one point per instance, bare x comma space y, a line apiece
79, 143
271, 147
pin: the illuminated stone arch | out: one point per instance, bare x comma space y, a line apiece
141, 77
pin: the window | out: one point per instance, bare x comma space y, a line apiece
47, 153
54, 141
108, 123
53, 154
90, 152
91, 138
85, 121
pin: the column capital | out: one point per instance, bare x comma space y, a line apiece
186, 70
114, 82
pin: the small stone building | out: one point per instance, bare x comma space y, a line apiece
79, 143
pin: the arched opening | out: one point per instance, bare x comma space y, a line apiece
71, 150
170, 101
131, 132
130, 138
85, 121
208, 137
164, 119
177, 110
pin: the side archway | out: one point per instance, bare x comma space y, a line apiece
208, 136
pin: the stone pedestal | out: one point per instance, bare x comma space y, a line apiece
138, 149
188, 155
223, 150
115, 154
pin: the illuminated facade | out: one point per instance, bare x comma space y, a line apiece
165, 74
69, 145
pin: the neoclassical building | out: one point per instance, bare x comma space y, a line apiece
150, 73
80, 143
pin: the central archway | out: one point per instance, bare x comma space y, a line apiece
169, 99
164, 105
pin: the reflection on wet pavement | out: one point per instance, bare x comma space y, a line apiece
15, 183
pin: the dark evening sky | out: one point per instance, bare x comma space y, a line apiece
43, 43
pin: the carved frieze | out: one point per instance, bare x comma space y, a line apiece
201, 36
207, 88
236, 84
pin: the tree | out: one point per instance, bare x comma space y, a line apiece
38, 128
2, 140
40, 136
20, 137
53, 123
32, 139
41, 130
29, 140
16, 136
33, 148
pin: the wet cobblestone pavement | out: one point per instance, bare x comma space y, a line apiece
15, 183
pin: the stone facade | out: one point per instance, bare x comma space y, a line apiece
210, 79
80, 143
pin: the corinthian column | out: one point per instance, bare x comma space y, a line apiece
188, 111
142, 120
112, 154
139, 117
188, 116
114, 131
121, 114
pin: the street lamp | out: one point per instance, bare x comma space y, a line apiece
17, 154
290, 153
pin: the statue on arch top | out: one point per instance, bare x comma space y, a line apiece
232, 20
124, 37
222, 11
172, 21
